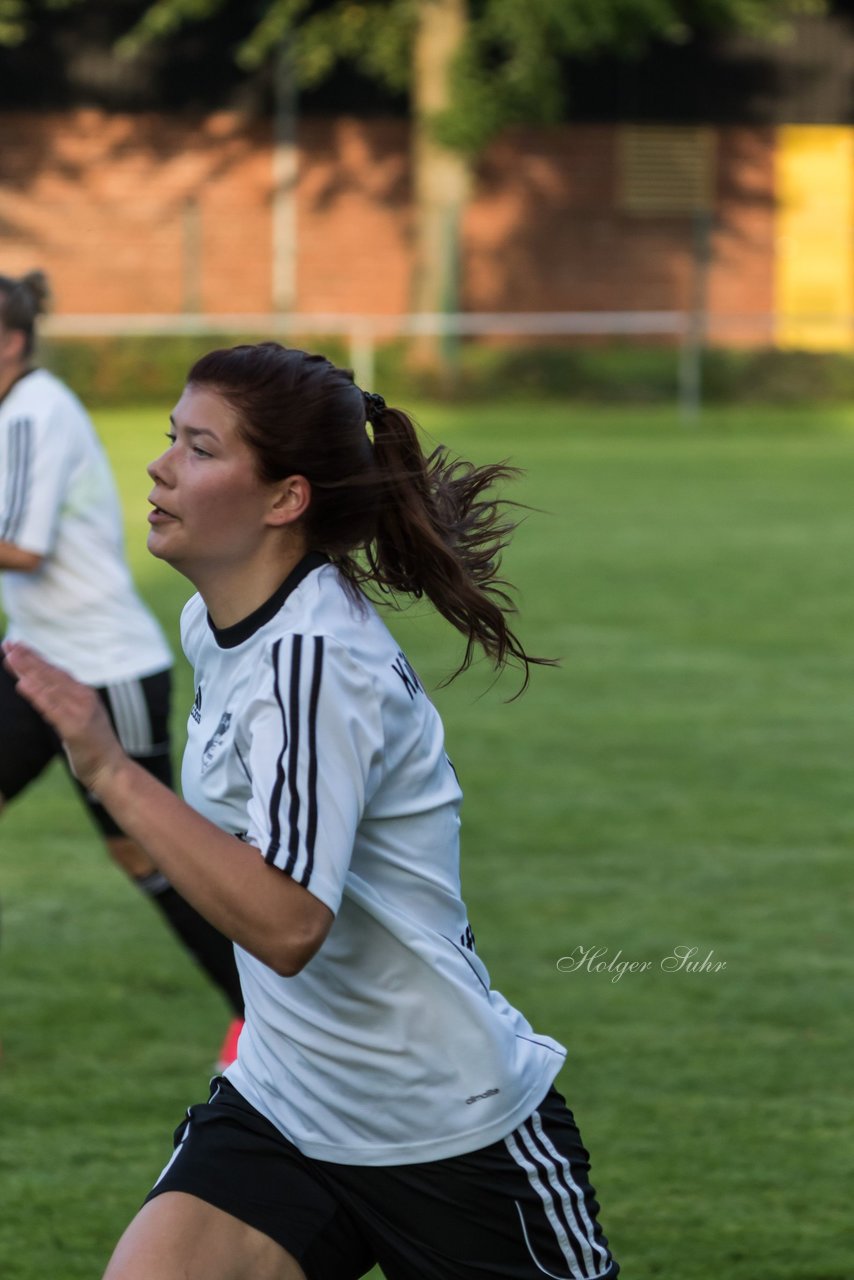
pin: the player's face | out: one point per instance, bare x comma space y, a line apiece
208, 501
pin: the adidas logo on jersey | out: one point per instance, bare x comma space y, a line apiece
196, 712
479, 1097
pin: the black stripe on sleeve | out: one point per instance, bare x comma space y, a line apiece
278, 785
18, 477
311, 820
25, 427
11, 488
293, 756
13, 450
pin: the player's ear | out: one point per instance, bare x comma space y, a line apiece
290, 500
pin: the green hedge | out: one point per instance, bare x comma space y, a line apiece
136, 370
151, 370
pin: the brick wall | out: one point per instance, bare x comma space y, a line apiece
353, 217
162, 214
741, 280
107, 206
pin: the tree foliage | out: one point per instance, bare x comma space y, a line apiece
510, 67
17, 17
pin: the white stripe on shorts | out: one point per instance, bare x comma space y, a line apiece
561, 1193
184, 1136
562, 1163
130, 712
174, 1156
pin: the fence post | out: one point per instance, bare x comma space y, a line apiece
192, 256
694, 336
690, 374
285, 174
362, 354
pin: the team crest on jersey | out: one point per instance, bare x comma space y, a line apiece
213, 744
196, 712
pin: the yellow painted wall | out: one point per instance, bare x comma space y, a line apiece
814, 264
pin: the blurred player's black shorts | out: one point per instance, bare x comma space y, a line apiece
138, 709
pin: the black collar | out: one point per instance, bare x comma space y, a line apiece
230, 637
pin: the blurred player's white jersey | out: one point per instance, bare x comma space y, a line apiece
58, 500
312, 738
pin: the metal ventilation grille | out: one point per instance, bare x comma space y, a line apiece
664, 170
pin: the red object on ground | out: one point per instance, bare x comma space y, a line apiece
228, 1051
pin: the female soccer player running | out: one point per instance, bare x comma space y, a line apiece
386, 1106
67, 592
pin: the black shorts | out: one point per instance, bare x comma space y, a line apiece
138, 709
521, 1209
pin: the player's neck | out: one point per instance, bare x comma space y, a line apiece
232, 593
9, 375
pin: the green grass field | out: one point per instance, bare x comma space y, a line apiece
684, 780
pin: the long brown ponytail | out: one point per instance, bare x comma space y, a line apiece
391, 518
440, 533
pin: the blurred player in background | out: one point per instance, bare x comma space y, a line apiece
386, 1106
67, 591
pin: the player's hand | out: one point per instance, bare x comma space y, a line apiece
74, 710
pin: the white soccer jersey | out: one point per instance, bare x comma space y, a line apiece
311, 738
58, 500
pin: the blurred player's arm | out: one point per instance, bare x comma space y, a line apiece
17, 559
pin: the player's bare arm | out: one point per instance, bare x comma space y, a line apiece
17, 560
255, 904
